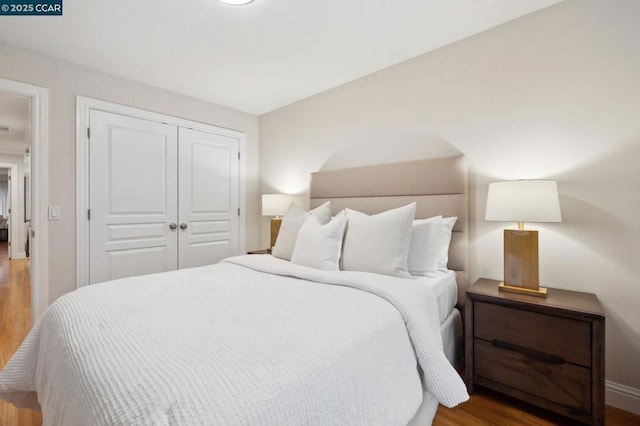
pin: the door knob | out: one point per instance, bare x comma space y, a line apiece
183, 226
172, 226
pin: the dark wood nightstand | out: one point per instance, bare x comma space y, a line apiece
262, 251
546, 351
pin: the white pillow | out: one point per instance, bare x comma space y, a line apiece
319, 246
425, 234
444, 240
378, 243
291, 223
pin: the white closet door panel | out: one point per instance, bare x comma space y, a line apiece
208, 188
137, 261
133, 196
134, 232
137, 163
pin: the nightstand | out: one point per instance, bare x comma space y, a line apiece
548, 351
262, 251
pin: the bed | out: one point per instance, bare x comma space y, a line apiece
259, 340
439, 186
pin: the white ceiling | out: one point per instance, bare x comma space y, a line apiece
14, 112
258, 57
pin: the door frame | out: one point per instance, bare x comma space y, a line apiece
84, 105
13, 224
39, 238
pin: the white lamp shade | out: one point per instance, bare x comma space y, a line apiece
275, 204
236, 2
523, 201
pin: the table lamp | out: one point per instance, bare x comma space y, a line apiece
275, 205
522, 201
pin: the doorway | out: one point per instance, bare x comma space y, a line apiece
14, 150
28, 225
15, 281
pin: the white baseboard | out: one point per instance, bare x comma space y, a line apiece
20, 255
621, 396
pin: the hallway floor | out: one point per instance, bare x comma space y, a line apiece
15, 323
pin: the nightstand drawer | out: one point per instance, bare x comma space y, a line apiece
566, 338
560, 383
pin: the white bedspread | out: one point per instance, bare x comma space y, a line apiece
445, 289
228, 344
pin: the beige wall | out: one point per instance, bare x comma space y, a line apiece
553, 95
65, 81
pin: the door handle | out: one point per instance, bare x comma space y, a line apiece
173, 226
183, 226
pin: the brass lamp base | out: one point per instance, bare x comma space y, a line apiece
521, 258
275, 229
538, 292
521, 262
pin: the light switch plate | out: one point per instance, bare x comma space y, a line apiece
54, 212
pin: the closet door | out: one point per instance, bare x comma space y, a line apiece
208, 200
132, 197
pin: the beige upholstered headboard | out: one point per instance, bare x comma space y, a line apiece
437, 185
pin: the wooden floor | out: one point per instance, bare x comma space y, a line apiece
15, 323
484, 407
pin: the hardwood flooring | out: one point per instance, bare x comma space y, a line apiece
484, 407
15, 323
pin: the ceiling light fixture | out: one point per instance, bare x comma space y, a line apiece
236, 2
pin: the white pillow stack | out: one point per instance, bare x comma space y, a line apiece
320, 246
378, 243
388, 243
291, 223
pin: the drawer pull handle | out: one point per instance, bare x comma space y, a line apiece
555, 359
